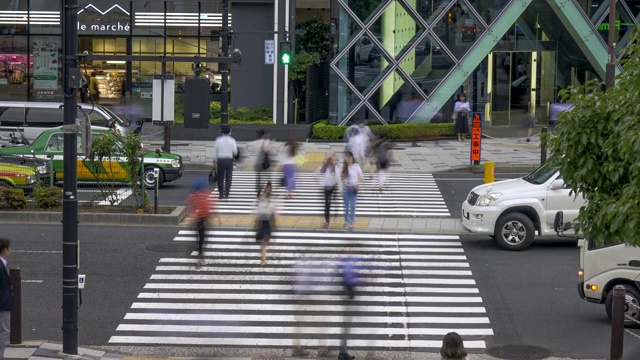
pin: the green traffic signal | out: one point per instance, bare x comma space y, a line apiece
285, 52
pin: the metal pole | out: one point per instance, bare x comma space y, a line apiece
617, 322
611, 67
155, 196
167, 128
70, 201
543, 145
224, 67
16, 310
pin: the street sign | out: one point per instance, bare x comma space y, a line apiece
476, 137
269, 52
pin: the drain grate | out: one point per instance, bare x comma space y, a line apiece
519, 352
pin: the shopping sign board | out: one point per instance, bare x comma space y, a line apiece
476, 137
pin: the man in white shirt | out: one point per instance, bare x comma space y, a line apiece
225, 150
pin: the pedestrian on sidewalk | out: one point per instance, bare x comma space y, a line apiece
262, 147
453, 347
349, 268
351, 179
225, 150
200, 206
462, 109
288, 161
265, 215
329, 180
382, 154
528, 120
6, 295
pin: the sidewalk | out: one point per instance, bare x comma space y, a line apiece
42, 350
425, 156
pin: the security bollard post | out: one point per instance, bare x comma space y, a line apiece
489, 172
617, 322
16, 310
543, 145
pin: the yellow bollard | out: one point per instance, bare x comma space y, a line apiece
489, 173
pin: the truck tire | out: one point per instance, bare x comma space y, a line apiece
633, 311
514, 231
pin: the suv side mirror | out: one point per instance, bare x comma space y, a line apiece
557, 184
557, 222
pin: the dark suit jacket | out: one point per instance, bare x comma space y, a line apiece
6, 289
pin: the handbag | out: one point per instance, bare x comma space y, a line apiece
213, 177
266, 161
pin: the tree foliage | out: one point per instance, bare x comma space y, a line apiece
314, 39
597, 148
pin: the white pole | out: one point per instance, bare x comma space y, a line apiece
286, 67
275, 64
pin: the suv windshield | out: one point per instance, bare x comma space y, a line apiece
541, 174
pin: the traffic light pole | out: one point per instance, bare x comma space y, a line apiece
224, 67
70, 202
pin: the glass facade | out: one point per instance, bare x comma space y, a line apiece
31, 45
398, 61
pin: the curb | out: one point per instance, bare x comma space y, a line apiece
49, 217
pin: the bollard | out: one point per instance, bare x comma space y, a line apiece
16, 311
543, 145
489, 172
617, 322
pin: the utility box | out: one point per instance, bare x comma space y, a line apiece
196, 102
164, 109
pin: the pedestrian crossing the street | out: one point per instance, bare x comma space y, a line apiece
404, 195
416, 289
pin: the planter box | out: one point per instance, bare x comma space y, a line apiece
243, 132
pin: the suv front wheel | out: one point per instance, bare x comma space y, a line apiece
514, 231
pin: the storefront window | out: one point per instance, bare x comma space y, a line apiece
14, 65
13, 17
44, 17
47, 70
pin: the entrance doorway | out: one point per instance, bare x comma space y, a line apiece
522, 82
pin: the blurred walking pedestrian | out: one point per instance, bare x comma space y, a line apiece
349, 268
453, 347
265, 214
351, 179
288, 161
262, 147
200, 205
382, 154
6, 295
225, 150
329, 180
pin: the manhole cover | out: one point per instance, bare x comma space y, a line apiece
519, 352
172, 247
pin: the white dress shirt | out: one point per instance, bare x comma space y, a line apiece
225, 147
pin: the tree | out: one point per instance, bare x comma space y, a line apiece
597, 148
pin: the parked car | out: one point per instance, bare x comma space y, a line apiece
39, 165
32, 118
50, 145
469, 30
514, 211
18, 176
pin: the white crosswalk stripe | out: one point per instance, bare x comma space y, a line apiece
403, 195
416, 289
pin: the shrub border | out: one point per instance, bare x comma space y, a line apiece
323, 131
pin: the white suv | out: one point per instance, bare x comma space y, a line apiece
513, 211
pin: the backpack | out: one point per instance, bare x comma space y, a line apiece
266, 161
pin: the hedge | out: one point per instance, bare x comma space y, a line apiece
324, 131
242, 115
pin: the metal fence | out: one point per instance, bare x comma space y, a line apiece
108, 189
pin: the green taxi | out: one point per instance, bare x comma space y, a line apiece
18, 176
49, 145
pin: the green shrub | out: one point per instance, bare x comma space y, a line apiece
13, 198
242, 115
323, 130
47, 197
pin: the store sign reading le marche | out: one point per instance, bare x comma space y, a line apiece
118, 26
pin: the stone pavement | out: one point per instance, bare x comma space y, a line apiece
425, 156
43, 350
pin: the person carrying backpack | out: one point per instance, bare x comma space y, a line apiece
262, 147
200, 205
382, 155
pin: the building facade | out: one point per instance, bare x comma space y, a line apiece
399, 61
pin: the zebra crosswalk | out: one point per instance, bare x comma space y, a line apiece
416, 289
404, 195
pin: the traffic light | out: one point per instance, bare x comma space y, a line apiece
285, 52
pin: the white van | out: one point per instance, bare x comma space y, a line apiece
32, 118
602, 267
